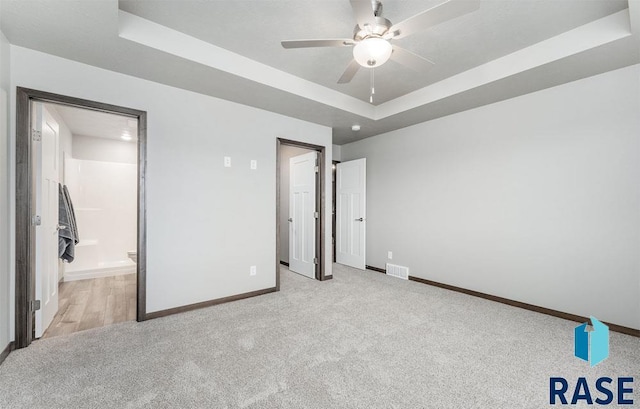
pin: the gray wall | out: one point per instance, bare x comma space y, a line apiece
337, 153
287, 153
104, 150
535, 199
207, 224
5, 250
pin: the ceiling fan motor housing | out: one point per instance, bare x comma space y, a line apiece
378, 29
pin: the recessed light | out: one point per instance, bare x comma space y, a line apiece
355, 128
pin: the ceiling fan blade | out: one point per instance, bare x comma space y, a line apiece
433, 16
363, 11
327, 42
349, 73
411, 60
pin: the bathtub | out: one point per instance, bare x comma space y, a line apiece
102, 269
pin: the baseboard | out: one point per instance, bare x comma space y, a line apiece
284, 263
204, 304
325, 278
530, 307
379, 270
5, 352
513, 303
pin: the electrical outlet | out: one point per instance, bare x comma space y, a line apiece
227, 161
253, 270
390, 255
254, 164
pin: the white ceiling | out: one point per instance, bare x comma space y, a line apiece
231, 49
97, 124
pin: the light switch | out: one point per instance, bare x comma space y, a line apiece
227, 161
254, 164
253, 271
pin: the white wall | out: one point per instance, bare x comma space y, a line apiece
206, 224
286, 153
5, 225
105, 150
535, 199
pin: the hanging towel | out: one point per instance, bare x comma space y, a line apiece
68, 232
72, 212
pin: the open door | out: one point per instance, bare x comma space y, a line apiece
351, 213
302, 214
47, 170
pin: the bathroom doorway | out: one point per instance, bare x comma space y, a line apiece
79, 259
96, 276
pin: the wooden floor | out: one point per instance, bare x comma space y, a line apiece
94, 303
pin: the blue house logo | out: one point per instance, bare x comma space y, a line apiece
592, 343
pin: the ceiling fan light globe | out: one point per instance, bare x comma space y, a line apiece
372, 52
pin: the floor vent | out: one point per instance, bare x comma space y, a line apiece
398, 271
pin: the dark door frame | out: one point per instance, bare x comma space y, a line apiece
334, 173
320, 204
25, 193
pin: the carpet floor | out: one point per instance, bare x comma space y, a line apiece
361, 340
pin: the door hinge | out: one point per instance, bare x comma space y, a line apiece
317, 169
34, 305
316, 214
36, 221
36, 135
315, 260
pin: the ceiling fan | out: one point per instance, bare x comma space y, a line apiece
373, 35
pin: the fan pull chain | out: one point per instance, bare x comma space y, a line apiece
373, 88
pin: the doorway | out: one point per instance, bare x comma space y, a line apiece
37, 293
95, 268
300, 201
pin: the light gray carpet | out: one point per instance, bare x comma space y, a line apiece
361, 340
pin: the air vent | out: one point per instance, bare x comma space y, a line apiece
398, 271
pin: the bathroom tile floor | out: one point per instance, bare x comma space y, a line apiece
93, 303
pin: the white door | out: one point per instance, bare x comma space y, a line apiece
351, 213
46, 163
302, 207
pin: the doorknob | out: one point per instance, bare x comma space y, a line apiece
360, 219
290, 220
61, 227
